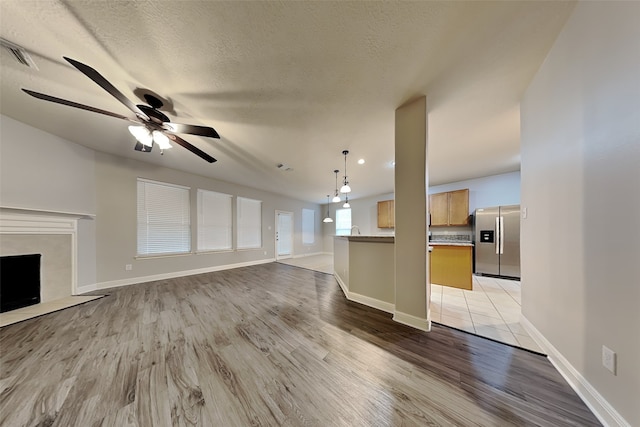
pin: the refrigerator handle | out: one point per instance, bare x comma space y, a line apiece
501, 235
497, 235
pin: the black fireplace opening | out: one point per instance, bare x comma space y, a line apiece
19, 281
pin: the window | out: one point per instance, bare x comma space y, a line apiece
214, 221
164, 224
308, 222
343, 222
249, 223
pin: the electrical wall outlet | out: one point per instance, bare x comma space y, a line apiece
609, 359
128, 267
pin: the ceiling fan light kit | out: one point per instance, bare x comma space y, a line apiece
142, 135
153, 125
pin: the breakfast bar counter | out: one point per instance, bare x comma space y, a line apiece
364, 268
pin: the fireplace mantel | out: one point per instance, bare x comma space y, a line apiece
26, 221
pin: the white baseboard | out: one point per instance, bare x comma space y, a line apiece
413, 321
372, 302
309, 254
605, 413
87, 288
343, 286
405, 319
172, 275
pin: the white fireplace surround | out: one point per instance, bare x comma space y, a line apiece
24, 221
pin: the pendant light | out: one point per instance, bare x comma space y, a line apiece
346, 203
328, 217
336, 196
345, 187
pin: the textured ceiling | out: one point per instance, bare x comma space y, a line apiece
288, 82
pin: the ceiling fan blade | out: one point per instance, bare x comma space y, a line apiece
104, 83
191, 129
75, 104
195, 150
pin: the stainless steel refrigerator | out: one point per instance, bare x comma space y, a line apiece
497, 244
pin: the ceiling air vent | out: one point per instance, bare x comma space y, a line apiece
19, 53
284, 167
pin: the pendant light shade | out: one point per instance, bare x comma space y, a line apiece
346, 203
328, 217
336, 195
345, 184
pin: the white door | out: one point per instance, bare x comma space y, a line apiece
284, 235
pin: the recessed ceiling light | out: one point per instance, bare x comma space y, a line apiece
361, 162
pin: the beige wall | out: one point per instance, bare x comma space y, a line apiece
411, 292
581, 187
116, 221
372, 270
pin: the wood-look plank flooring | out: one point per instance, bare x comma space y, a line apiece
267, 345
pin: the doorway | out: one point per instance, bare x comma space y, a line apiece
284, 235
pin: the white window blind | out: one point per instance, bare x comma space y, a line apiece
214, 221
249, 223
308, 223
164, 224
343, 222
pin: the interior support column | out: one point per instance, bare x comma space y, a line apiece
411, 178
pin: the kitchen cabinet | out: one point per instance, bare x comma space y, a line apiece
386, 214
450, 208
451, 265
439, 209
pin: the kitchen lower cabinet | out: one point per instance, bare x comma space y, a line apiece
451, 265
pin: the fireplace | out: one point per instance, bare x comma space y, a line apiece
19, 281
53, 236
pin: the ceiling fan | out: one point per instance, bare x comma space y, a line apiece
152, 126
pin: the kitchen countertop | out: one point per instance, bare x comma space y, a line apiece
364, 238
453, 243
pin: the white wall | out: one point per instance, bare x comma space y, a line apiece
581, 184
43, 172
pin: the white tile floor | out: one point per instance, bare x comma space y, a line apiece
322, 262
491, 310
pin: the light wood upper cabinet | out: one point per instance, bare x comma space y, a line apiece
450, 208
439, 209
459, 207
386, 214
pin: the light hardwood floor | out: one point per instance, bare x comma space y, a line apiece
265, 345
